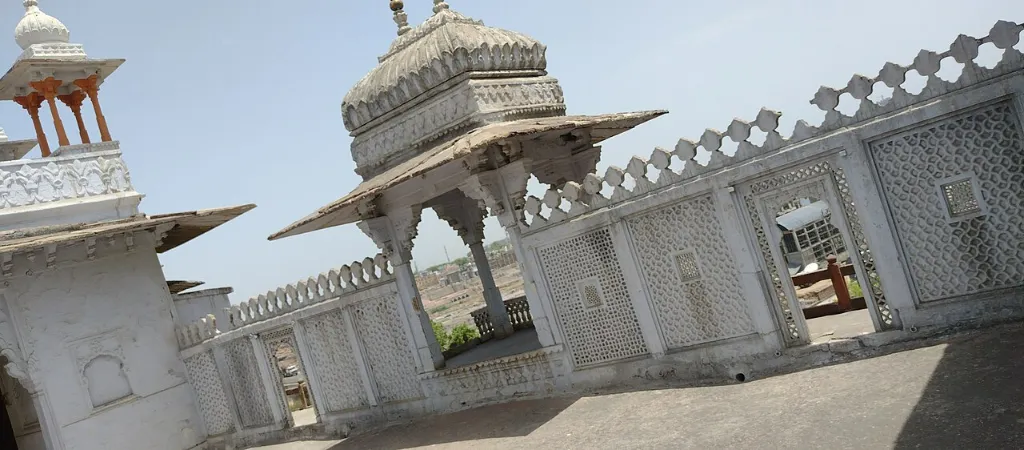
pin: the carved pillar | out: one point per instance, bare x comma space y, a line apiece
466, 216
272, 391
48, 88
393, 234
74, 101
91, 88
31, 103
503, 191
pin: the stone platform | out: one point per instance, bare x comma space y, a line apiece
958, 391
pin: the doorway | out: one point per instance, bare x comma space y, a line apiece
817, 263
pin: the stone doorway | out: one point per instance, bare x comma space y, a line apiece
816, 261
294, 393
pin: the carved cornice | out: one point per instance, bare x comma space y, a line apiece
33, 262
470, 104
25, 183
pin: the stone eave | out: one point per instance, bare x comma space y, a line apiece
19, 73
179, 286
204, 293
347, 209
181, 228
16, 149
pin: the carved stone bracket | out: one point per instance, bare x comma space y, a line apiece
503, 191
394, 232
464, 214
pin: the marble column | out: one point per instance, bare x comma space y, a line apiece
74, 102
48, 88
393, 233
466, 216
91, 88
31, 103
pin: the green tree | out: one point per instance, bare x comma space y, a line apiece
443, 339
462, 334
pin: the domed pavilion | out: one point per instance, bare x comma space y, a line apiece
457, 116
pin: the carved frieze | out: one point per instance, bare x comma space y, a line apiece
473, 103
24, 183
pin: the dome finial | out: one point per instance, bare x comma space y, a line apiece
39, 28
440, 5
401, 18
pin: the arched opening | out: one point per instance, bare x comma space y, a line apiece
19, 422
107, 381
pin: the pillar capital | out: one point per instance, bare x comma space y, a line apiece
501, 190
90, 85
47, 87
394, 232
464, 214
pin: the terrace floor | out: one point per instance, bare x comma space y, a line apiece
964, 392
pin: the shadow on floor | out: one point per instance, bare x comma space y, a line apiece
499, 421
974, 398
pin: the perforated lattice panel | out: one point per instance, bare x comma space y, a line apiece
952, 259
332, 357
379, 325
213, 403
250, 395
594, 335
690, 273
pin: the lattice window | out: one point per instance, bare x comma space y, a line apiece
213, 403
333, 359
379, 325
250, 394
974, 253
594, 335
960, 198
694, 302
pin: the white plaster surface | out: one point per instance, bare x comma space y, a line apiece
117, 306
192, 306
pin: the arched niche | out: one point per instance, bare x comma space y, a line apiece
106, 380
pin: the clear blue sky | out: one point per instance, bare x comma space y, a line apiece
230, 102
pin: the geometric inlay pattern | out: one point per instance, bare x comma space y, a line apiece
332, 357
675, 244
959, 197
213, 404
594, 335
250, 395
590, 293
387, 348
973, 254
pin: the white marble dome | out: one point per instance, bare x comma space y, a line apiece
443, 47
37, 27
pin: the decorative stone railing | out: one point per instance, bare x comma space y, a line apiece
197, 332
73, 176
706, 154
352, 277
518, 313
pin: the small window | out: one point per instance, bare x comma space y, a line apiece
686, 263
590, 293
961, 196
960, 199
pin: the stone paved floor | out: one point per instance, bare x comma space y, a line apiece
965, 393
